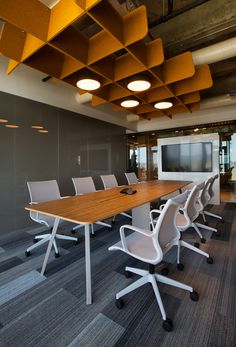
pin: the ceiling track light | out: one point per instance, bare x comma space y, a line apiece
138, 83
163, 105
129, 103
88, 84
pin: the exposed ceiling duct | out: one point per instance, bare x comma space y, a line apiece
214, 53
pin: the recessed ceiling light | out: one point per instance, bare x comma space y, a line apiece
139, 85
43, 131
3, 120
129, 103
37, 127
196, 129
88, 84
163, 105
13, 126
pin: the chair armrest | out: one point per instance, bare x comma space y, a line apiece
133, 228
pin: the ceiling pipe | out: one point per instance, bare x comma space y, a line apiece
214, 53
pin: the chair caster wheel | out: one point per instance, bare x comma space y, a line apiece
72, 231
165, 271
203, 240
35, 240
194, 296
167, 325
76, 242
27, 253
128, 274
56, 255
180, 266
196, 244
222, 220
92, 236
218, 234
210, 260
119, 303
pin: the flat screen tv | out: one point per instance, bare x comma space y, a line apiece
187, 157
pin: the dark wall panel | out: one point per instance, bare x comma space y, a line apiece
74, 146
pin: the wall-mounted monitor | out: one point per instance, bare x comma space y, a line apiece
187, 157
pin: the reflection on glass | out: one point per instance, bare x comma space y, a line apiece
13, 126
37, 127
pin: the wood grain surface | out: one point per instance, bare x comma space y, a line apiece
89, 208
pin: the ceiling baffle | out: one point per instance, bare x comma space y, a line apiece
49, 40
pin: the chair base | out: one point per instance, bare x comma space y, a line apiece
213, 215
152, 278
46, 238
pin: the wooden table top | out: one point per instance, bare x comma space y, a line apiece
92, 207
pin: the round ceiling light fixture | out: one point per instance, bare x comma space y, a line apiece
138, 84
163, 105
128, 103
3, 120
88, 84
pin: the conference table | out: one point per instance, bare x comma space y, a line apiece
92, 207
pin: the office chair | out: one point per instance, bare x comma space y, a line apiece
190, 212
150, 247
84, 185
131, 177
181, 201
39, 192
207, 198
109, 181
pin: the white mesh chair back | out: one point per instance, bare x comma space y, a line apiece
190, 206
210, 187
131, 177
109, 181
204, 195
181, 199
43, 191
166, 228
83, 185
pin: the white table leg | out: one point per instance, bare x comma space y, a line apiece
140, 216
88, 265
54, 230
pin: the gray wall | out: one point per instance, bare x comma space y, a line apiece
74, 146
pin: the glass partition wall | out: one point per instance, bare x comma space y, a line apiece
143, 152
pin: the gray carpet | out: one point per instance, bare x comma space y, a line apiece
51, 310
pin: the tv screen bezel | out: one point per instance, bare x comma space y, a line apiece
188, 143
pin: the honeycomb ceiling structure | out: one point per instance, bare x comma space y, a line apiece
55, 42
